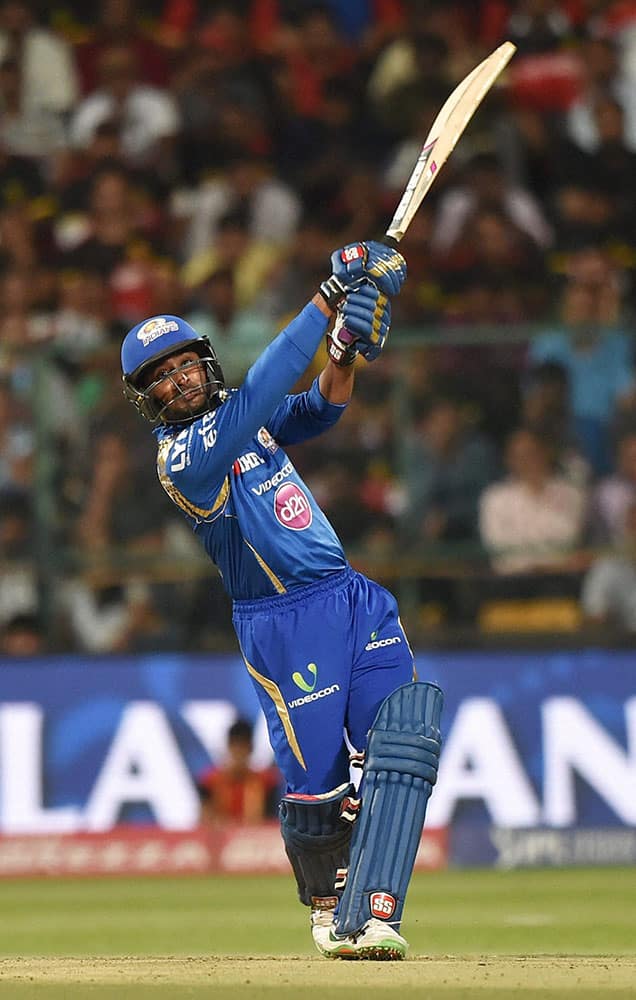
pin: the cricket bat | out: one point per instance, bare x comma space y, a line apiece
444, 135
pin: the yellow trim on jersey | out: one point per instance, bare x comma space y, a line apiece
274, 692
280, 587
408, 645
199, 513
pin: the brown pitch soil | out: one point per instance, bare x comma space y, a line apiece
290, 978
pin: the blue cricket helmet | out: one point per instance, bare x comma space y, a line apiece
145, 345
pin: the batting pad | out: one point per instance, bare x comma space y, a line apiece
316, 832
398, 776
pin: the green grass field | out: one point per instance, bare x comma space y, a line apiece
472, 934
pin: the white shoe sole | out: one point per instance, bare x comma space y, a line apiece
375, 942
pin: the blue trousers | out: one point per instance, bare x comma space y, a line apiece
322, 660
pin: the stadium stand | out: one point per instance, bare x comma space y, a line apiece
172, 155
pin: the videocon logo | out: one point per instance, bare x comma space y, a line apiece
300, 681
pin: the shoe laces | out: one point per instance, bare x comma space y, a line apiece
322, 918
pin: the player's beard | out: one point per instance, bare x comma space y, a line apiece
191, 403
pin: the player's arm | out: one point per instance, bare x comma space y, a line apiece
361, 327
308, 414
211, 451
336, 383
305, 415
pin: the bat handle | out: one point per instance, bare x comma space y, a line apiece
390, 241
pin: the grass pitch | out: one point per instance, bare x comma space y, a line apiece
473, 934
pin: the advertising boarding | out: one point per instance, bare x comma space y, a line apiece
538, 764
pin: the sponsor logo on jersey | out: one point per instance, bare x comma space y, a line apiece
208, 431
300, 681
380, 643
154, 328
265, 439
250, 460
382, 905
179, 453
291, 507
314, 696
275, 480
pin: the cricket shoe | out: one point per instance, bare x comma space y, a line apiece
375, 941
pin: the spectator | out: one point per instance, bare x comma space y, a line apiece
449, 465
18, 242
147, 117
273, 128
81, 322
594, 350
273, 208
22, 636
118, 22
534, 519
494, 273
19, 584
315, 153
611, 166
224, 92
46, 65
308, 248
108, 517
97, 615
584, 216
30, 132
233, 791
602, 175
320, 54
21, 180
344, 498
252, 262
115, 236
484, 185
240, 333
415, 62
603, 79
609, 588
546, 410
615, 495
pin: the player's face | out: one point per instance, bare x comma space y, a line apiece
180, 384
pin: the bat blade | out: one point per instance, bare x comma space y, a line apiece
445, 133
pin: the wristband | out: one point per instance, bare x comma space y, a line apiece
333, 292
341, 345
342, 355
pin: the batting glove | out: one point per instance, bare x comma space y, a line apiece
372, 261
362, 325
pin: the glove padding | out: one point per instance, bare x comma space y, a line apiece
362, 326
377, 262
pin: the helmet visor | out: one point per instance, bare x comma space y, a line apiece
177, 393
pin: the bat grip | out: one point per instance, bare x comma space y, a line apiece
390, 241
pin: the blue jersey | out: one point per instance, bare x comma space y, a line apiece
229, 474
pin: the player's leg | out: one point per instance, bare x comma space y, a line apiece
316, 832
400, 767
399, 772
299, 657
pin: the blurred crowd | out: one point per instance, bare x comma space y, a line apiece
204, 157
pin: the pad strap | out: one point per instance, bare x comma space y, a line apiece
316, 832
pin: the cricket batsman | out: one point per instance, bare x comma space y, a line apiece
323, 644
